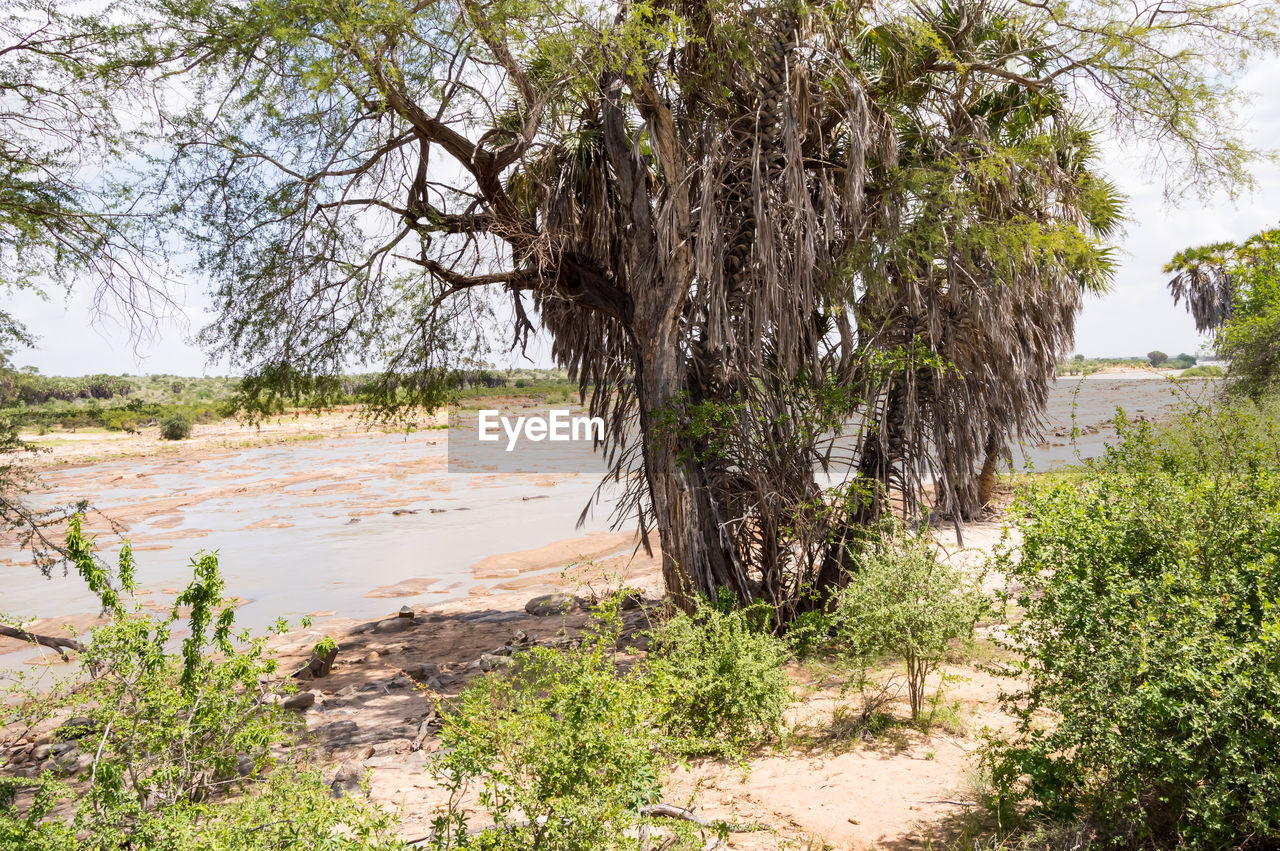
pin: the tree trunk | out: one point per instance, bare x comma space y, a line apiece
974, 492
987, 476
698, 556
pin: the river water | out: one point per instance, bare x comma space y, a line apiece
308, 527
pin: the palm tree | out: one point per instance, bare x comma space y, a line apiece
1006, 234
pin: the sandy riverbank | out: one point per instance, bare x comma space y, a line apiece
376, 712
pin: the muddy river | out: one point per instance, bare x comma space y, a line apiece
362, 524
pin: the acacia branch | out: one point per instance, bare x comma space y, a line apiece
62, 645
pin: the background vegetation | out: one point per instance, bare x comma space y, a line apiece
39, 403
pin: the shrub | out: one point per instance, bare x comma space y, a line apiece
162, 738
1152, 637
565, 746
902, 600
721, 671
1203, 371
176, 426
290, 809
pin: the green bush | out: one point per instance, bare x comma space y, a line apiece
1152, 637
1203, 371
177, 426
565, 747
902, 600
721, 670
163, 739
289, 809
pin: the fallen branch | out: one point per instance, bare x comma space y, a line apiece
62, 645
954, 803
672, 811
653, 811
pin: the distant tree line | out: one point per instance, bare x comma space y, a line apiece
31, 388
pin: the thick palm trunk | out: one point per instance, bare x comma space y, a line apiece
697, 554
973, 492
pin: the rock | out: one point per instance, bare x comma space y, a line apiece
401, 681
406, 612
318, 666
372, 656
59, 748
423, 672
41, 752
550, 604
638, 642
400, 512
75, 728
68, 761
631, 601
396, 624
367, 751
353, 521
300, 702
495, 617
490, 662
245, 765
428, 726
347, 780
338, 730
519, 637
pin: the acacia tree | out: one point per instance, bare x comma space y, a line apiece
704, 207
67, 217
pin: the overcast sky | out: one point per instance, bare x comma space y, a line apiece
1136, 317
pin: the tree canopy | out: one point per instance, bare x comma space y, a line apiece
746, 228
740, 225
1233, 290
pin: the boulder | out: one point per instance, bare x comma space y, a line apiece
491, 662
318, 666
405, 612
347, 780
59, 748
396, 624
75, 728
550, 604
69, 761
423, 672
338, 730
300, 702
